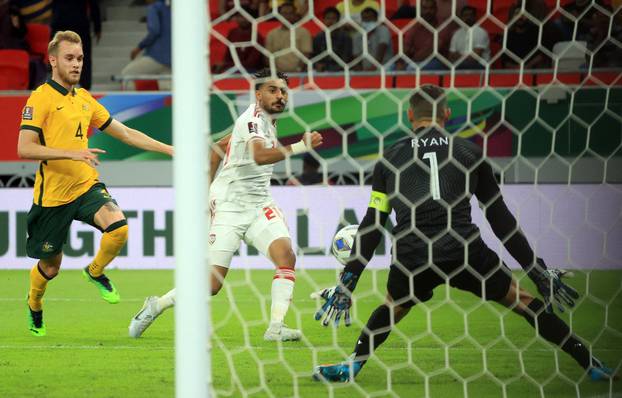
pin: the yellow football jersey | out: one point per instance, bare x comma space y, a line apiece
62, 118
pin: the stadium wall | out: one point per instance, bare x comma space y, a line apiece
571, 226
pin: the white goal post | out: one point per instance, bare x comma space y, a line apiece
190, 138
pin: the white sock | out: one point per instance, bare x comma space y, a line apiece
166, 301
282, 293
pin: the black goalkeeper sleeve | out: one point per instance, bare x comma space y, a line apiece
366, 241
503, 223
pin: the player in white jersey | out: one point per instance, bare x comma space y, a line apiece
242, 208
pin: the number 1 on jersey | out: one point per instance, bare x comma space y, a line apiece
435, 189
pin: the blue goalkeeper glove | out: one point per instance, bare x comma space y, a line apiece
338, 301
553, 289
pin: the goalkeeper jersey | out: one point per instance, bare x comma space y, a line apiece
428, 180
242, 183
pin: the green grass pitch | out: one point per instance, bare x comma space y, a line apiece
448, 348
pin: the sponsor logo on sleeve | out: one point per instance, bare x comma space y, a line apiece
27, 113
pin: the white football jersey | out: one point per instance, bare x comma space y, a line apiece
242, 183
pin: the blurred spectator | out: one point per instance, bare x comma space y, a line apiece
250, 58
279, 39
340, 40
352, 9
404, 10
580, 20
36, 11
13, 32
522, 42
444, 11
420, 44
156, 46
12, 27
606, 52
300, 6
469, 40
379, 45
311, 174
250, 6
77, 15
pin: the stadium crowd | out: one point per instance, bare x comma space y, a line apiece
363, 35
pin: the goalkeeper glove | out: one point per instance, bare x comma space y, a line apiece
553, 289
338, 300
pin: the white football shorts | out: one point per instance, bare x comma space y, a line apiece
257, 227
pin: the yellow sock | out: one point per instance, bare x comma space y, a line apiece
38, 283
111, 244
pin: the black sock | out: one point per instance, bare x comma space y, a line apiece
555, 330
376, 332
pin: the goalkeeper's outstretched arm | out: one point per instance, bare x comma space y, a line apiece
503, 223
369, 232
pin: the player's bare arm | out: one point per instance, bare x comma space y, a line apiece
136, 138
217, 153
29, 147
263, 155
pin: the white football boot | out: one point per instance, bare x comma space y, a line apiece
279, 332
145, 317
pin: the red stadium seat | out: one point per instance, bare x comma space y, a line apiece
313, 27
14, 70
217, 48
38, 37
146, 85
266, 27
213, 9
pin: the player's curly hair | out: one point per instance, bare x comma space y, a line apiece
425, 99
266, 74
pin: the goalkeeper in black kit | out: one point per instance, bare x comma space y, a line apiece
428, 179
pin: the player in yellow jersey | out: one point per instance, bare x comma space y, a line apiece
53, 130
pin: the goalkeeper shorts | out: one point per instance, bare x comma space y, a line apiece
256, 227
484, 275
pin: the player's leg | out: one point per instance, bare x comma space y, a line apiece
270, 235
553, 329
48, 228
225, 236
282, 290
154, 306
98, 209
502, 287
43, 272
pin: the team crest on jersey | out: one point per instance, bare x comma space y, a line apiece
27, 113
85, 107
252, 128
47, 247
211, 239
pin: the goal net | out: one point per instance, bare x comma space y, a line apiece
536, 84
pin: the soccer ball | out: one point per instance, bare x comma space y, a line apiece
342, 243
